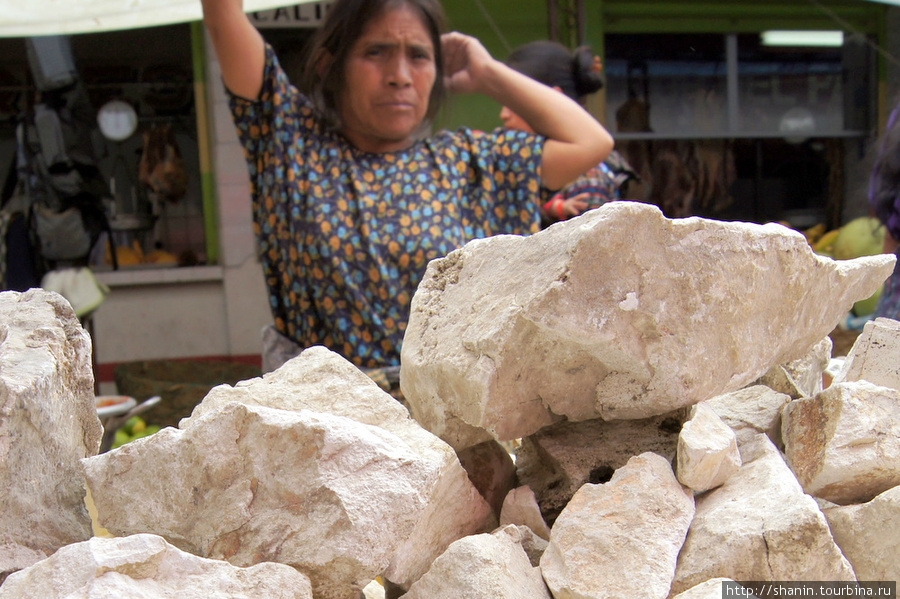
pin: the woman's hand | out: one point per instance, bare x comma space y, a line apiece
466, 62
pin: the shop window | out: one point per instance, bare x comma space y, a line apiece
726, 127
150, 70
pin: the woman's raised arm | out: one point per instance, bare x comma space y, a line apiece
238, 44
575, 142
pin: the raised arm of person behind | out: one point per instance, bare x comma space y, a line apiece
576, 74
350, 199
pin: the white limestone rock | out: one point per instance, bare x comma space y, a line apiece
867, 533
48, 422
148, 567
707, 451
873, 356
325, 494
533, 545
373, 590
556, 461
594, 318
844, 444
759, 525
407, 496
484, 566
520, 507
620, 539
802, 377
750, 411
711, 589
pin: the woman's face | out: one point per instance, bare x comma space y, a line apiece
513, 121
389, 74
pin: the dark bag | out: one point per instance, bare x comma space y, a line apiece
62, 235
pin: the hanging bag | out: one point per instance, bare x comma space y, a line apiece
161, 167
62, 235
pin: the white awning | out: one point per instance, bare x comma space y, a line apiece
24, 18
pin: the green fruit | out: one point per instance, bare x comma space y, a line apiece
863, 236
868, 305
121, 438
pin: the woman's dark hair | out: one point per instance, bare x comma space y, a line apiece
344, 24
884, 183
553, 64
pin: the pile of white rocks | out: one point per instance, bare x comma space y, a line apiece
661, 380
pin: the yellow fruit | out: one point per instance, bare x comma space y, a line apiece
161, 257
815, 232
825, 242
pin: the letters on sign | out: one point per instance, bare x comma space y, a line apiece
310, 14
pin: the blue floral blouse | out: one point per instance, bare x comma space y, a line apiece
344, 236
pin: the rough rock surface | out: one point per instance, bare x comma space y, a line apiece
312, 465
620, 539
759, 525
844, 444
485, 566
492, 471
145, 566
711, 589
801, 377
558, 460
601, 325
249, 484
520, 507
873, 356
867, 533
707, 450
48, 422
750, 411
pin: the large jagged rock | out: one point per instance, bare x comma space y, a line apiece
620, 313
759, 525
867, 535
556, 461
48, 422
844, 443
485, 566
148, 567
620, 540
312, 465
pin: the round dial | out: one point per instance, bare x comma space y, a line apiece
117, 120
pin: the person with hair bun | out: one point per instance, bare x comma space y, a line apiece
884, 199
577, 74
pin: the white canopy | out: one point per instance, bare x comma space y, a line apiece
23, 18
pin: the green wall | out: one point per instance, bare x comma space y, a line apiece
517, 22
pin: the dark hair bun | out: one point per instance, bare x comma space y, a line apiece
587, 79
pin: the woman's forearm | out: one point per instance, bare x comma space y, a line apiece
575, 143
239, 46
